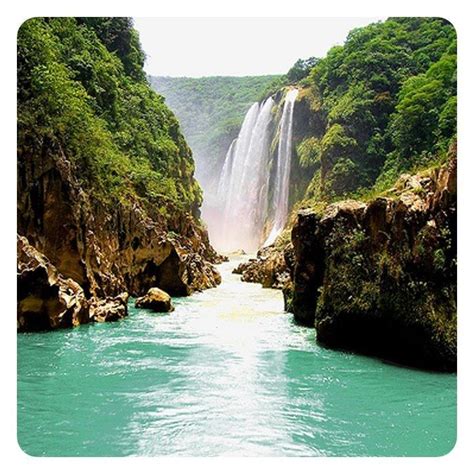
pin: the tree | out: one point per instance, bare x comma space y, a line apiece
426, 110
301, 69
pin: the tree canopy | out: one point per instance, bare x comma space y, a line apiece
82, 92
301, 69
388, 96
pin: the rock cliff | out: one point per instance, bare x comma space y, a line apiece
106, 248
380, 277
106, 197
49, 300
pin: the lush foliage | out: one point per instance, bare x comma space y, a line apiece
301, 69
309, 153
82, 92
211, 110
388, 97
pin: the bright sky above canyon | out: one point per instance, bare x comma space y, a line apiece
196, 47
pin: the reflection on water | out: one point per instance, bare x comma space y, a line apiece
227, 373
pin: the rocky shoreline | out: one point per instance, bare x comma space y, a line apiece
78, 256
377, 278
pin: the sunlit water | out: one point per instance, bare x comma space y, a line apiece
228, 373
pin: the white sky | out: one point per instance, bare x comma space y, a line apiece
198, 47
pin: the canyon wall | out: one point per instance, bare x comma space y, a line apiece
107, 202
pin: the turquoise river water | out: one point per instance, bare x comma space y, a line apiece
227, 373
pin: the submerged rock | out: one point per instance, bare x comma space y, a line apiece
156, 300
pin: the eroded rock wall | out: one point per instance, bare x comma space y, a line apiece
380, 278
106, 247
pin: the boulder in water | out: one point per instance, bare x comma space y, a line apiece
109, 308
156, 300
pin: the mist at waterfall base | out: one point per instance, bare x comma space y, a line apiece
250, 206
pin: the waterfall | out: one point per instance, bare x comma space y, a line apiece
283, 167
225, 174
244, 176
243, 188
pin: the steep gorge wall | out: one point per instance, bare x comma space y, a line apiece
380, 278
106, 248
106, 198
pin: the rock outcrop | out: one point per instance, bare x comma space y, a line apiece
112, 247
155, 299
48, 300
270, 268
380, 278
103, 248
108, 309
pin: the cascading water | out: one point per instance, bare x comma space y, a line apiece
243, 187
226, 170
244, 180
282, 179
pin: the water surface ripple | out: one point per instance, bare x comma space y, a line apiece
228, 373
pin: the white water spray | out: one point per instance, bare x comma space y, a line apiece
244, 180
282, 179
243, 187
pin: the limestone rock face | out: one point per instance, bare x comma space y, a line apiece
109, 309
105, 248
380, 277
46, 300
270, 268
156, 300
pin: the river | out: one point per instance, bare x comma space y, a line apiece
227, 373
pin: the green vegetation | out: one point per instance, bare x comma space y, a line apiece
309, 152
82, 93
388, 102
382, 104
211, 110
301, 69
372, 289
